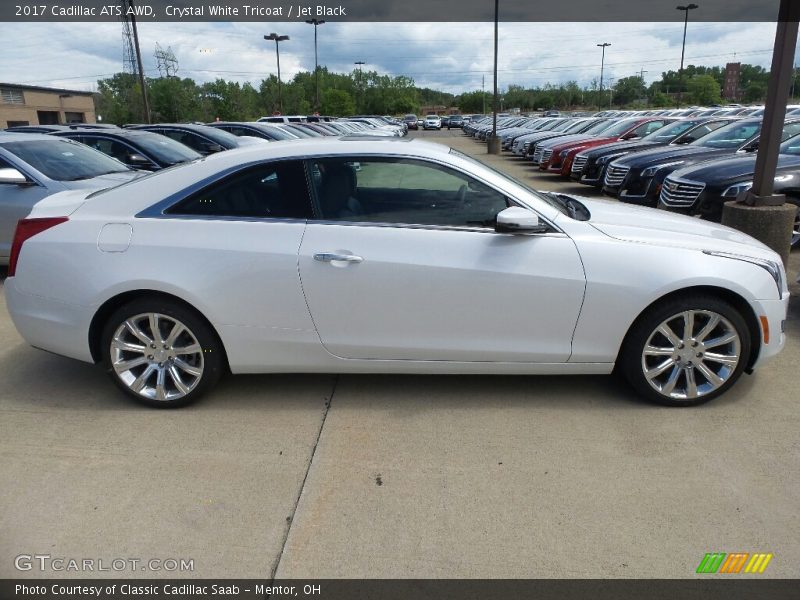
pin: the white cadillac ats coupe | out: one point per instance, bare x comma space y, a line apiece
385, 256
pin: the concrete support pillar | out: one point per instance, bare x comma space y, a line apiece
771, 225
493, 144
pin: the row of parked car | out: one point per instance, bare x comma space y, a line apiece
39, 160
690, 161
434, 121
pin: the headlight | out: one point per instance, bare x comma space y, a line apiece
564, 153
651, 171
775, 269
737, 189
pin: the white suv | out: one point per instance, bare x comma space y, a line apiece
432, 122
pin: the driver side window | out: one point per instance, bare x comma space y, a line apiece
402, 191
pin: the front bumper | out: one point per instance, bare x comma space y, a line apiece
775, 312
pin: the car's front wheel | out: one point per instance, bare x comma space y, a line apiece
687, 351
161, 353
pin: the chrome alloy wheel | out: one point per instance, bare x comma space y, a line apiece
156, 357
691, 354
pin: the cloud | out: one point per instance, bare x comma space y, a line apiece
451, 57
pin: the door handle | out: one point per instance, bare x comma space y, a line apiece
330, 257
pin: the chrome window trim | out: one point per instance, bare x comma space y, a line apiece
158, 210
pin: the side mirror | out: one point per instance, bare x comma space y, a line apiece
630, 136
138, 159
753, 147
686, 140
519, 220
13, 177
213, 148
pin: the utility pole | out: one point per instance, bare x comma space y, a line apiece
644, 87
278, 39
140, 68
604, 45
316, 23
483, 93
686, 10
359, 64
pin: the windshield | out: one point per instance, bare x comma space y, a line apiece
619, 128
221, 137
791, 146
730, 136
562, 126
164, 149
601, 126
64, 160
669, 132
277, 133
575, 125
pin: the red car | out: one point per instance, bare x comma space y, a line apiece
562, 155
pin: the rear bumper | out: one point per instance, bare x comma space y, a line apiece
50, 325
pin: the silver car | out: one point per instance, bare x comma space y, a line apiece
33, 166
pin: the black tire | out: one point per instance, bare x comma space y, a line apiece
208, 358
632, 362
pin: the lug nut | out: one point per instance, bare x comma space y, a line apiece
152, 345
160, 364
149, 357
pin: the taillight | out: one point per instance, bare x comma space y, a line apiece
26, 229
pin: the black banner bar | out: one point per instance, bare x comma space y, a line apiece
387, 10
702, 588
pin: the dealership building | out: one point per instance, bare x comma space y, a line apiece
32, 105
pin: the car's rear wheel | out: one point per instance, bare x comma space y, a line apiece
161, 353
684, 352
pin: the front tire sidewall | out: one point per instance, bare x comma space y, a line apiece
630, 363
213, 361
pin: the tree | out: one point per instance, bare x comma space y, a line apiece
629, 89
755, 92
704, 90
473, 102
337, 103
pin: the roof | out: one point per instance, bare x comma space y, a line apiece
8, 136
37, 88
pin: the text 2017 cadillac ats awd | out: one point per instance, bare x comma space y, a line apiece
360, 256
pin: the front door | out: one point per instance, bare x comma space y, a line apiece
404, 264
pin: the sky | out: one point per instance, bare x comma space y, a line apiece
451, 57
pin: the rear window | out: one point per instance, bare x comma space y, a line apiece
64, 160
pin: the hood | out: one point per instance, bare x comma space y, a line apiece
627, 146
654, 156
104, 181
658, 227
733, 169
568, 139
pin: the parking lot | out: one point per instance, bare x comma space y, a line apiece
398, 476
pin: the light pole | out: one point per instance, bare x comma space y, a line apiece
278, 38
359, 64
686, 10
316, 23
604, 45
